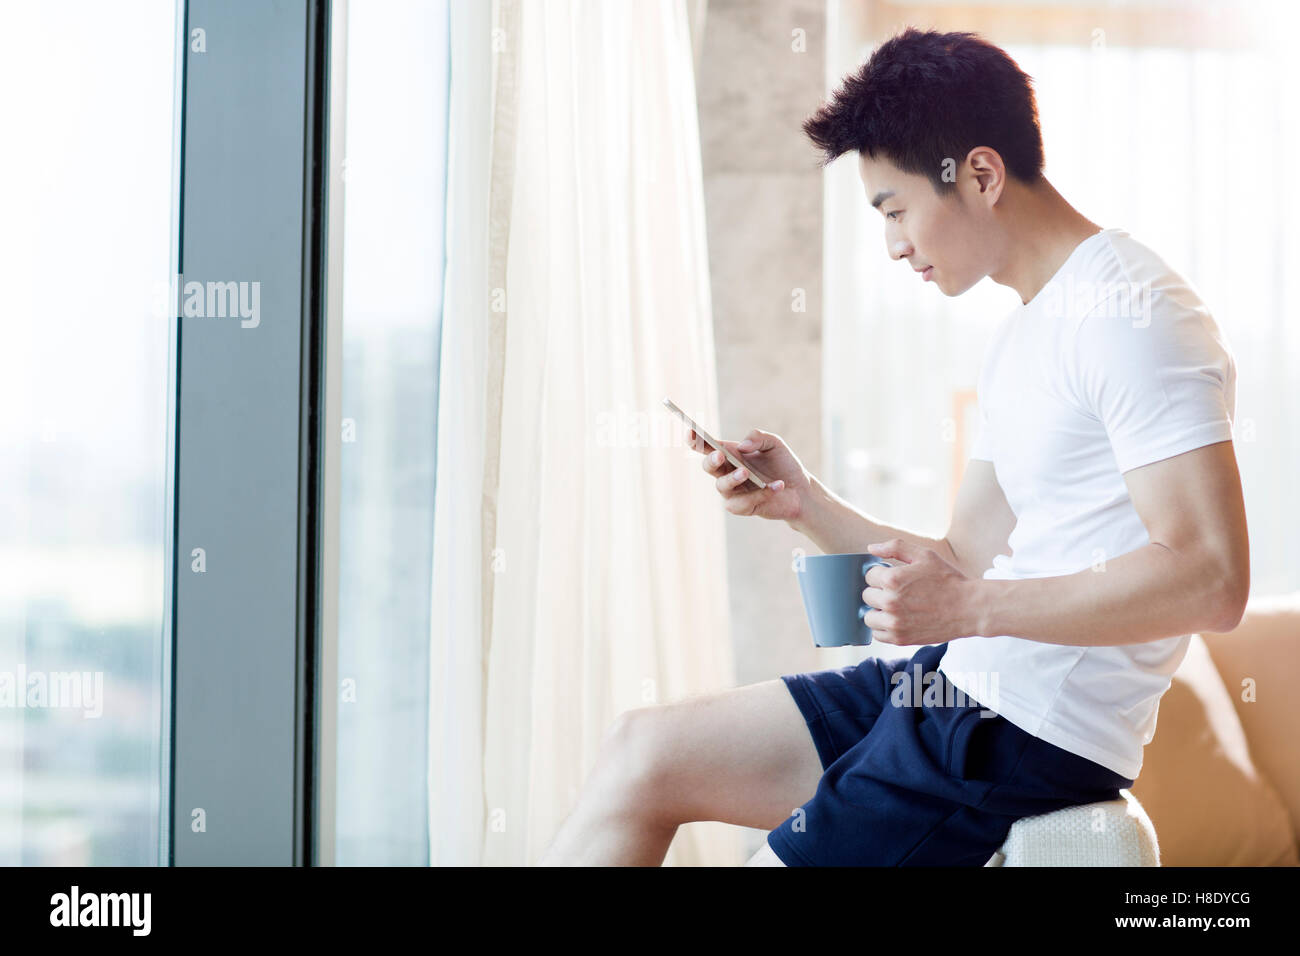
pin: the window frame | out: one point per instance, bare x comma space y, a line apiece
255, 165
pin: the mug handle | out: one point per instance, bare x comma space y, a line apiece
868, 565
862, 611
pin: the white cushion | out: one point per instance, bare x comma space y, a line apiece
1112, 833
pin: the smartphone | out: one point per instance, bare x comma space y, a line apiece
709, 440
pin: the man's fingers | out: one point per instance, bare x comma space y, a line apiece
877, 619
715, 463
733, 479
874, 598
895, 549
742, 503
699, 444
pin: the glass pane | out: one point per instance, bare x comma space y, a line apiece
392, 301
85, 252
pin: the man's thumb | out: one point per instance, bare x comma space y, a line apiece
758, 440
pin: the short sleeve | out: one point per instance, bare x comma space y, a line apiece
1161, 385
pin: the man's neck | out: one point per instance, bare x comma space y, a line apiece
1042, 229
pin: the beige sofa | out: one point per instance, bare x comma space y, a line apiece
1221, 779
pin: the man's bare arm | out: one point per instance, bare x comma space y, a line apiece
982, 521
1194, 575
837, 527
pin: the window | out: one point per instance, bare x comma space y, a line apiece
86, 255
397, 72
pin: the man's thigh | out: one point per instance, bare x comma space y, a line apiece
742, 756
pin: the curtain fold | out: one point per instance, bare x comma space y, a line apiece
579, 565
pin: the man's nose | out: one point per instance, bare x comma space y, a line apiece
898, 248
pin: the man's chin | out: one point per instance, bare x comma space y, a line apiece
951, 291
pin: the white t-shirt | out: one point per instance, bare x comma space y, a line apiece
1113, 365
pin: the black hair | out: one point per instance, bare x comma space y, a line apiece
923, 97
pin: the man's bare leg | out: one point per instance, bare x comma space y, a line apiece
743, 756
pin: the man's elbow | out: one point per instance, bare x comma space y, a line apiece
1231, 605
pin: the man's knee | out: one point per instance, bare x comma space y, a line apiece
639, 750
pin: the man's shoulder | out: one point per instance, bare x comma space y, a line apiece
1124, 285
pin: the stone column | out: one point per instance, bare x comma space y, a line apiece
761, 72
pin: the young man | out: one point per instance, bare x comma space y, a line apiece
1100, 522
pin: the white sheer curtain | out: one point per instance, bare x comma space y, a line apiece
579, 560
1159, 141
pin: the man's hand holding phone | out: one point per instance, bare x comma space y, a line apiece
788, 484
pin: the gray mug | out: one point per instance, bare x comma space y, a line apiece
832, 586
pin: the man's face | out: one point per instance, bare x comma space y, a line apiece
945, 238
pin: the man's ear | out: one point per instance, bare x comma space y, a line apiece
987, 174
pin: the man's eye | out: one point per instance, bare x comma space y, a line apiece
892, 215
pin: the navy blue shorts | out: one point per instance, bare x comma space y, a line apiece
931, 785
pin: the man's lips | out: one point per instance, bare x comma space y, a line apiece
925, 273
